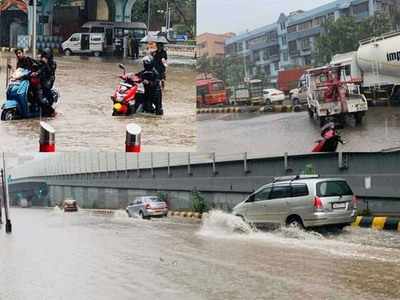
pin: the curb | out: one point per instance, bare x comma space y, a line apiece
378, 223
187, 214
221, 110
267, 108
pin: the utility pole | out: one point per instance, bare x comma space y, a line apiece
166, 17
5, 196
34, 29
148, 14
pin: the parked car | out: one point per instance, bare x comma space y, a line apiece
300, 201
146, 207
70, 205
273, 95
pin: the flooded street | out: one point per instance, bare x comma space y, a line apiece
84, 118
295, 133
55, 255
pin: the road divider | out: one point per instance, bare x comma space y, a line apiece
378, 223
99, 211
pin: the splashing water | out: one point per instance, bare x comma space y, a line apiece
352, 243
219, 222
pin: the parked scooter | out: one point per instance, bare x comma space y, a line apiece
129, 94
330, 141
20, 102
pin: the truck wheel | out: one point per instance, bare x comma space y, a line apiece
358, 117
9, 114
67, 52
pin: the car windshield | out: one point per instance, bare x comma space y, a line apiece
333, 188
153, 199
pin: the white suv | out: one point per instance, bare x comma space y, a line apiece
300, 201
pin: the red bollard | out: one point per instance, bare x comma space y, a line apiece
133, 138
47, 138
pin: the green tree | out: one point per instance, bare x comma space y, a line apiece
344, 34
233, 70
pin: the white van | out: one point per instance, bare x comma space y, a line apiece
84, 43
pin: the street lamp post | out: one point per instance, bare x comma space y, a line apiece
34, 17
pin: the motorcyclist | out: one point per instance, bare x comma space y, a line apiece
24, 62
44, 95
152, 88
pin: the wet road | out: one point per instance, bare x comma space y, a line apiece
52, 255
295, 133
85, 122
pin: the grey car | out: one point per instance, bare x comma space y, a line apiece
146, 207
300, 201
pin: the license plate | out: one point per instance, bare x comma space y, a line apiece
339, 205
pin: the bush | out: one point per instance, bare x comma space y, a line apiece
198, 202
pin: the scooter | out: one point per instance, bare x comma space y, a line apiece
330, 141
129, 95
19, 102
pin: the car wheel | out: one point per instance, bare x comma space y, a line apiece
268, 102
294, 222
129, 214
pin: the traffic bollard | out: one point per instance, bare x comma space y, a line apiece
133, 138
47, 138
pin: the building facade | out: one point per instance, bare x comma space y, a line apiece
211, 44
290, 41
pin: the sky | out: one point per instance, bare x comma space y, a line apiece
219, 16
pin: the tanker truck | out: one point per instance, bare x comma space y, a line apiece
376, 64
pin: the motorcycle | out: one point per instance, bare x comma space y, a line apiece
128, 96
20, 103
330, 141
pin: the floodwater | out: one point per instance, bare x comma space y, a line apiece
295, 133
84, 120
56, 255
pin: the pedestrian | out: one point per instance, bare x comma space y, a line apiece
135, 48
160, 62
130, 48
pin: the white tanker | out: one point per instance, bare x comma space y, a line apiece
377, 64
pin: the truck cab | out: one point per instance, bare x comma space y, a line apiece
84, 43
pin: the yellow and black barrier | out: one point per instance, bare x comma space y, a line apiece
378, 223
187, 214
224, 110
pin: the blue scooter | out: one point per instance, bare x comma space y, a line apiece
17, 104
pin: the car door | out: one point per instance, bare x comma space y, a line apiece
75, 42
85, 41
276, 207
255, 209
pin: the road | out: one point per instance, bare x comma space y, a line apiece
295, 133
52, 255
84, 121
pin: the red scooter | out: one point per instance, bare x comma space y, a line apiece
330, 141
128, 96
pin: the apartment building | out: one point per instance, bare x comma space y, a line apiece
211, 44
290, 41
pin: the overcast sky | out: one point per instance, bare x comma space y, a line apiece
219, 16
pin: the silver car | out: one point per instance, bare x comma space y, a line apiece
146, 207
300, 201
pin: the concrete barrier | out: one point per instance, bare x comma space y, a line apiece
100, 211
266, 108
186, 214
378, 223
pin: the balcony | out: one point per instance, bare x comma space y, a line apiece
302, 34
294, 53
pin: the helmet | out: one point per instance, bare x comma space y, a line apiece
148, 62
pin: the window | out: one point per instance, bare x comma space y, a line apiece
97, 29
217, 86
74, 38
283, 26
305, 44
265, 54
331, 16
263, 194
267, 69
276, 66
317, 22
280, 191
333, 188
284, 40
299, 190
305, 26
292, 28
360, 8
285, 55
308, 60
292, 46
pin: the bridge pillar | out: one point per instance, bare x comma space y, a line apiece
128, 10
119, 10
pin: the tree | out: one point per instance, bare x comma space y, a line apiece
344, 34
